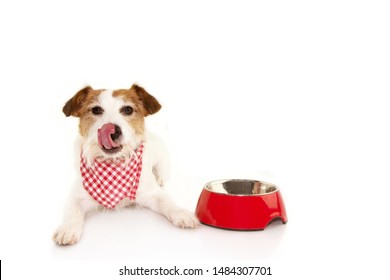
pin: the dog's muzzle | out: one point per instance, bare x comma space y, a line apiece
108, 136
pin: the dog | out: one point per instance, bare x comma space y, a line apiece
121, 163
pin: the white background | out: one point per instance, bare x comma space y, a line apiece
292, 91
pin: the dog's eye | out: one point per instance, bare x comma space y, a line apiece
127, 110
97, 110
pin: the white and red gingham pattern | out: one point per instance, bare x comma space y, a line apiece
108, 182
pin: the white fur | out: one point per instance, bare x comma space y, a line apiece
154, 175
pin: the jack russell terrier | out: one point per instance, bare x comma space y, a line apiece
121, 164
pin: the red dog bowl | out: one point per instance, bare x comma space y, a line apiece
240, 205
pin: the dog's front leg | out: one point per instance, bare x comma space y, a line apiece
71, 229
159, 201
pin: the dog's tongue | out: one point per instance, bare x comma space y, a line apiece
104, 136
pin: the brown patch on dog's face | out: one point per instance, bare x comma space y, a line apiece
80, 106
145, 102
135, 117
76, 105
144, 105
87, 119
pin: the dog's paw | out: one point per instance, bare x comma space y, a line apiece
68, 234
184, 219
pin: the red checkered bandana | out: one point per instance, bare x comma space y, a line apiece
109, 181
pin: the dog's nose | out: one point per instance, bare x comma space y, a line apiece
117, 133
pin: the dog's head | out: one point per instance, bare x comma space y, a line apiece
111, 121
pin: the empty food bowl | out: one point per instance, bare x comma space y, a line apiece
240, 204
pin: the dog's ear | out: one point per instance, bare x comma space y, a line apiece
150, 104
73, 105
